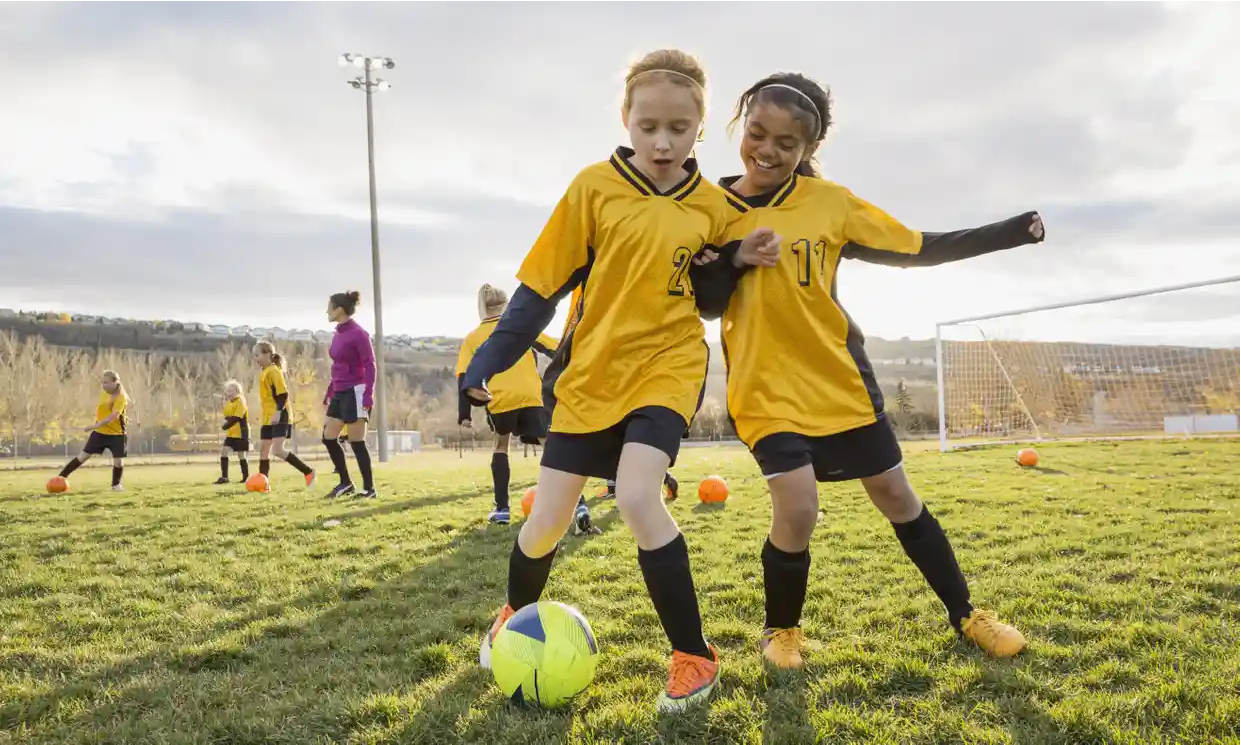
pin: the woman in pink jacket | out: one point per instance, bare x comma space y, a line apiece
349, 395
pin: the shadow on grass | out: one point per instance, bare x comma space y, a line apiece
709, 507
374, 508
398, 653
1047, 471
788, 708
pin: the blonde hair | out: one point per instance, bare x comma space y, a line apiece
116, 378
491, 301
233, 385
672, 66
276, 358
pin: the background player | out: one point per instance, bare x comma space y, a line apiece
277, 413
350, 393
108, 430
516, 405
236, 431
786, 324
634, 366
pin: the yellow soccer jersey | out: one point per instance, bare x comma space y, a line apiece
795, 359
519, 386
237, 408
106, 407
638, 340
272, 384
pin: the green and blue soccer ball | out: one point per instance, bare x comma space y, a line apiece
544, 655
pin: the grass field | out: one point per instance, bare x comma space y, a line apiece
183, 613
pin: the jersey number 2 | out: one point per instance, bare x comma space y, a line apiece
678, 283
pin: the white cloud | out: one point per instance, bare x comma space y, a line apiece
210, 144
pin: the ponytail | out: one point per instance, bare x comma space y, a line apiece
276, 358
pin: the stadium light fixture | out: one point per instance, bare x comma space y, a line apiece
365, 82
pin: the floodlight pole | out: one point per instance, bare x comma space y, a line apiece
369, 85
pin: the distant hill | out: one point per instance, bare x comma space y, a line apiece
429, 351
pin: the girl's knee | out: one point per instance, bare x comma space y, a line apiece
893, 495
539, 535
118, 463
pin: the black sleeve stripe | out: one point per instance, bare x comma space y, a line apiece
714, 283
956, 245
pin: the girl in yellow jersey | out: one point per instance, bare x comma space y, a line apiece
277, 413
107, 432
516, 405
801, 392
627, 231
236, 431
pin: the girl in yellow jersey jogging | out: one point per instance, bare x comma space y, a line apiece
516, 405
277, 413
236, 431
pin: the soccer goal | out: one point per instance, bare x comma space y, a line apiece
1157, 363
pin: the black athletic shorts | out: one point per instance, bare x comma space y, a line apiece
529, 423
282, 429
118, 445
868, 450
347, 406
597, 454
237, 444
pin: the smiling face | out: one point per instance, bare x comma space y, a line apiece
109, 383
775, 142
663, 120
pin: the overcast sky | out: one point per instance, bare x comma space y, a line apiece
207, 162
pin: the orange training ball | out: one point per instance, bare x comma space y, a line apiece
527, 502
713, 490
58, 485
258, 482
1027, 457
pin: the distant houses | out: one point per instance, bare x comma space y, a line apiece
222, 331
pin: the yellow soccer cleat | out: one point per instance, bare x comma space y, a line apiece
783, 647
691, 679
996, 638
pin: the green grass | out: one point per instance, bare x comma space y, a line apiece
180, 612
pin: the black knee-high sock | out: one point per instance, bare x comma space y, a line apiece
297, 463
363, 457
499, 478
70, 467
671, 586
785, 576
245, 468
117, 472
527, 577
264, 466
337, 454
927, 546
223, 466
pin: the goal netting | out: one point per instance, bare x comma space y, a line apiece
1159, 363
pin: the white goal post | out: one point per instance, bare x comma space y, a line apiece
1163, 362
